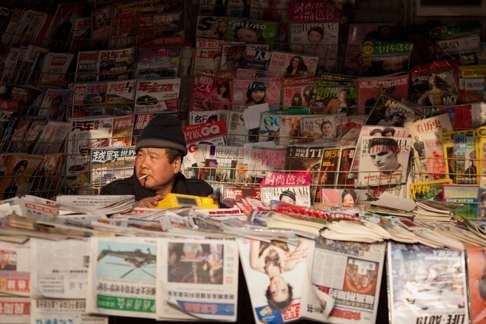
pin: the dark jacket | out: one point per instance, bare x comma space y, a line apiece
131, 186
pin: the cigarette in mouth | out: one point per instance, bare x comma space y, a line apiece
143, 177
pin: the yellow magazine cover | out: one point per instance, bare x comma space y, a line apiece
481, 154
428, 190
448, 147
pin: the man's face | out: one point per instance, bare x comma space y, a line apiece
246, 35
384, 158
314, 37
153, 163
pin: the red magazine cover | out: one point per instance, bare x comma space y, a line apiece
369, 89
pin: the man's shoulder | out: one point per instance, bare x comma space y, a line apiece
193, 187
118, 187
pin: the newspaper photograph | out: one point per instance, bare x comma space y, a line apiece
14, 269
72, 311
197, 279
352, 278
59, 269
426, 285
15, 310
275, 274
122, 277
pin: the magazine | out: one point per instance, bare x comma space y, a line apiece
261, 159
18, 170
208, 55
256, 56
464, 152
157, 95
256, 91
211, 27
290, 65
87, 66
116, 64
370, 89
292, 187
385, 57
111, 163
429, 156
390, 112
383, 161
210, 92
54, 68
252, 31
353, 281
157, 63
129, 264
426, 283
471, 83
298, 92
308, 11
317, 39
197, 279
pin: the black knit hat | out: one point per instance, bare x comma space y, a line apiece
163, 131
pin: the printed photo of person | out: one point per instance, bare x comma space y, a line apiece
288, 196
349, 199
256, 93
274, 259
13, 187
246, 34
383, 152
296, 67
327, 129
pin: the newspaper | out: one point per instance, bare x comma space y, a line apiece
60, 268
278, 294
14, 310
71, 311
122, 277
197, 279
14, 269
426, 285
352, 278
107, 204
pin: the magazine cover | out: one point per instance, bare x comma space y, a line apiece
298, 92
481, 155
15, 270
476, 265
383, 161
197, 279
116, 64
122, 262
317, 39
464, 151
157, 95
231, 55
385, 57
252, 31
427, 146
276, 276
89, 99
307, 11
290, 65
54, 68
430, 190
17, 171
370, 89
256, 56
464, 49
237, 131
328, 172
256, 91
426, 284
316, 127
208, 55
433, 84
275, 10
120, 97
334, 97
289, 131
354, 280
101, 19
211, 27
390, 112
157, 63
357, 33
471, 83
212, 132
201, 117
87, 66
261, 159
55, 104
346, 157
291, 187
464, 194
210, 92
111, 163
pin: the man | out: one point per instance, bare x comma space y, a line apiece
383, 151
160, 149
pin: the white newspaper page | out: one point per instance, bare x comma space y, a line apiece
122, 277
59, 268
275, 276
69, 311
14, 310
197, 279
350, 273
15, 269
426, 285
